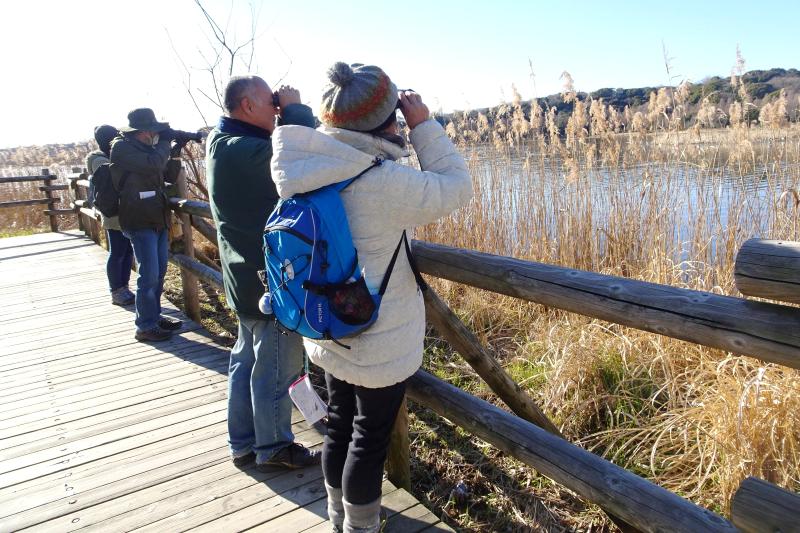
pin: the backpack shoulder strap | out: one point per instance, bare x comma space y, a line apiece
423, 286
342, 185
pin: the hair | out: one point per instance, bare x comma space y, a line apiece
238, 87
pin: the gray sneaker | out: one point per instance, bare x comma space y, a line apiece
155, 334
122, 297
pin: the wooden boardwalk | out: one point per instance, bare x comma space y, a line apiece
99, 432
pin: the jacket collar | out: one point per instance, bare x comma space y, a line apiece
366, 142
239, 128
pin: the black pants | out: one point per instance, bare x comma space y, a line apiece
360, 423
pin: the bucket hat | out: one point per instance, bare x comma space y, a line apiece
143, 119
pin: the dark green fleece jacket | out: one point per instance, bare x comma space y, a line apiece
242, 196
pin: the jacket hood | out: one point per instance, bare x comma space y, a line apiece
305, 159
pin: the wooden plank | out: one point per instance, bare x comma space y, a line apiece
207, 274
60, 373
247, 507
759, 506
206, 229
80, 381
21, 179
98, 398
62, 367
59, 187
411, 520
177, 370
112, 403
119, 504
637, 501
190, 207
33, 465
769, 269
393, 501
48, 438
769, 332
58, 212
20, 203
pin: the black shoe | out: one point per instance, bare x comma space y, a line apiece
169, 323
243, 460
293, 456
155, 334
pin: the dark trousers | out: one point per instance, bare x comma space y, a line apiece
120, 259
360, 423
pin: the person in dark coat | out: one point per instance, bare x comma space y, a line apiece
139, 156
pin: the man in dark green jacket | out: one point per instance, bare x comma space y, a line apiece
264, 362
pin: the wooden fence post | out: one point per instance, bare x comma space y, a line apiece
52, 205
761, 506
76, 195
189, 281
398, 466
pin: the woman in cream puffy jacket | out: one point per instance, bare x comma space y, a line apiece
366, 382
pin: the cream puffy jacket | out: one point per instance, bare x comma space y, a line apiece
379, 205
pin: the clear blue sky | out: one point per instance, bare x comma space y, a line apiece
71, 65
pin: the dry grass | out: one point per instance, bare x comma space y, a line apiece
659, 204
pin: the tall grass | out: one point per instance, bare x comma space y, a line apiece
658, 203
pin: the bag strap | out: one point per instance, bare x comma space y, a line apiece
342, 185
423, 286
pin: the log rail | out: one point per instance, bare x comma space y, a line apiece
49, 199
767, 331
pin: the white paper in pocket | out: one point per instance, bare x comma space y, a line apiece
307, 400
143, 195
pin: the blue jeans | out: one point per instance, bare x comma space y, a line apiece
150, 248
264, 362
120, 259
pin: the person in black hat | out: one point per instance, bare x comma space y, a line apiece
139, 156
120, 252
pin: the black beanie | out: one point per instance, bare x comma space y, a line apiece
104, 135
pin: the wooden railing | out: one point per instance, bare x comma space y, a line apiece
768, 331
49, 199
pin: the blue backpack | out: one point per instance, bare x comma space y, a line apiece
316, 285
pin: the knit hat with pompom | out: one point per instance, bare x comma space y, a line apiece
358, 97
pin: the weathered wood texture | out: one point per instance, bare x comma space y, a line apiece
60, 212
761, 507
767, 331
207, 274
398, 464
190, 207
639, 502
206, 230
52, 204
99, 432
188, 280
467, 344
22, 179
769, 269
21, 203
